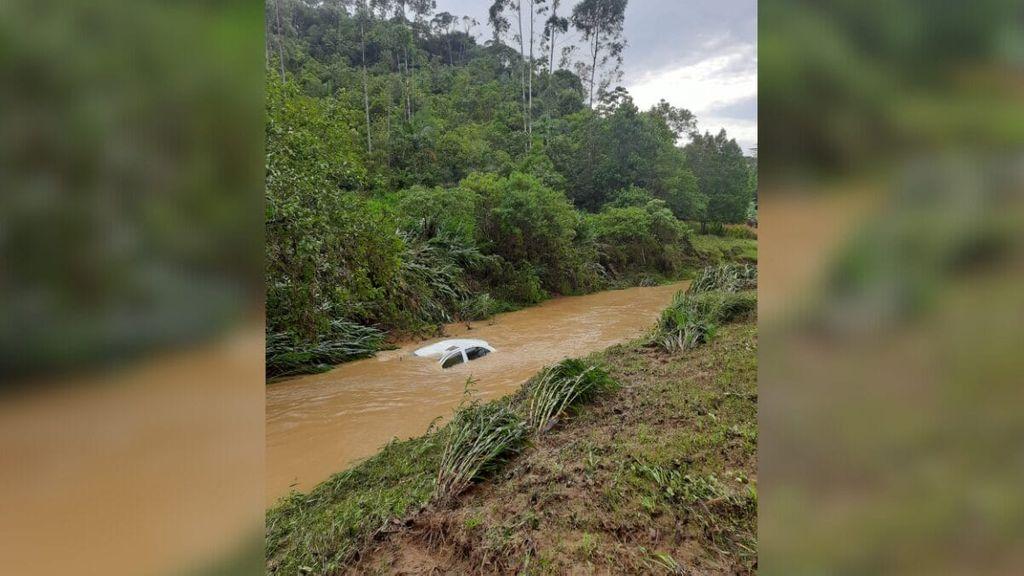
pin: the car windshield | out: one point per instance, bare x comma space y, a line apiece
477, 352
455, 358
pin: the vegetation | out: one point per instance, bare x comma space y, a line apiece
476, 442
693, 318
717, 294
415, 176
725, 277
323, 531
559, 388
604, 489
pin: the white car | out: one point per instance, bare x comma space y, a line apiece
454, 352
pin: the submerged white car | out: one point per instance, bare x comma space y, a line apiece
454, 352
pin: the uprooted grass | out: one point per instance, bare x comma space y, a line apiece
656, 476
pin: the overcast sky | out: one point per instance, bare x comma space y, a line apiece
697, 54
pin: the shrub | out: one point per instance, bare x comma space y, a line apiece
287, 354
693, 317
740, 231
476, 442
724, 277
527, 224
561, 386
633, 238
482, 307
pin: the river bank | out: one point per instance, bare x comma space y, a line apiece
320, 424
658, 473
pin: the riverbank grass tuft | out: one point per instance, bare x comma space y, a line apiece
476, 442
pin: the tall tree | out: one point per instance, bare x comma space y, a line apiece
497, 19
722, 175
363, 14
444, 22
552, 27
600, 22
280, 37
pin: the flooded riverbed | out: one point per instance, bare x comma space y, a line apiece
320, 424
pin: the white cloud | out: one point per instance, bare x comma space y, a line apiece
705, 87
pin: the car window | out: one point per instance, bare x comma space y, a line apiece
452, 360
477, 352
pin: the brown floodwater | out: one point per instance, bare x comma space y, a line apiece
320, 424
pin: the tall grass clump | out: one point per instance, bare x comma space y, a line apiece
287, 355
724, 277
693, 318
476, 442
561, 386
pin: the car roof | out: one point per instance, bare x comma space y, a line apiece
446, 347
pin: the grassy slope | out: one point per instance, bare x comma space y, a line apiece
658, 475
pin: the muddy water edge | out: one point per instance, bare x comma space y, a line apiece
320, 424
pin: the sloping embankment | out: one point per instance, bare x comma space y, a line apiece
657, 476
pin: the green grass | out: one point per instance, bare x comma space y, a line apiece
717, 249
476, 442
322, 531
693, 318
560, 387
725, 277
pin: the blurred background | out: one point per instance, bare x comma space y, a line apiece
891, 208
131, 361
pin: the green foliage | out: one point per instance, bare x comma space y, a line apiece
287, 354
636, 238
476, 442
724, 277
558, 388
522, 221
693, 317
410, 181
723, 176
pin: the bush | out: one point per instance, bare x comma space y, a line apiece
530, 226
477, 441
692, 318
639, 238
740, 231
560, 387
287, 354
724, 277
482, 307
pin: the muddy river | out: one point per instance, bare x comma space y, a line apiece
320, 424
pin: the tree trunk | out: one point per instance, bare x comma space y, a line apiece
593, 65
366, 89
522, 58
529, 114
280, 37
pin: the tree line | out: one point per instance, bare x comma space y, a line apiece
416, 175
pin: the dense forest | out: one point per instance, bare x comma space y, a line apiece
417, 175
